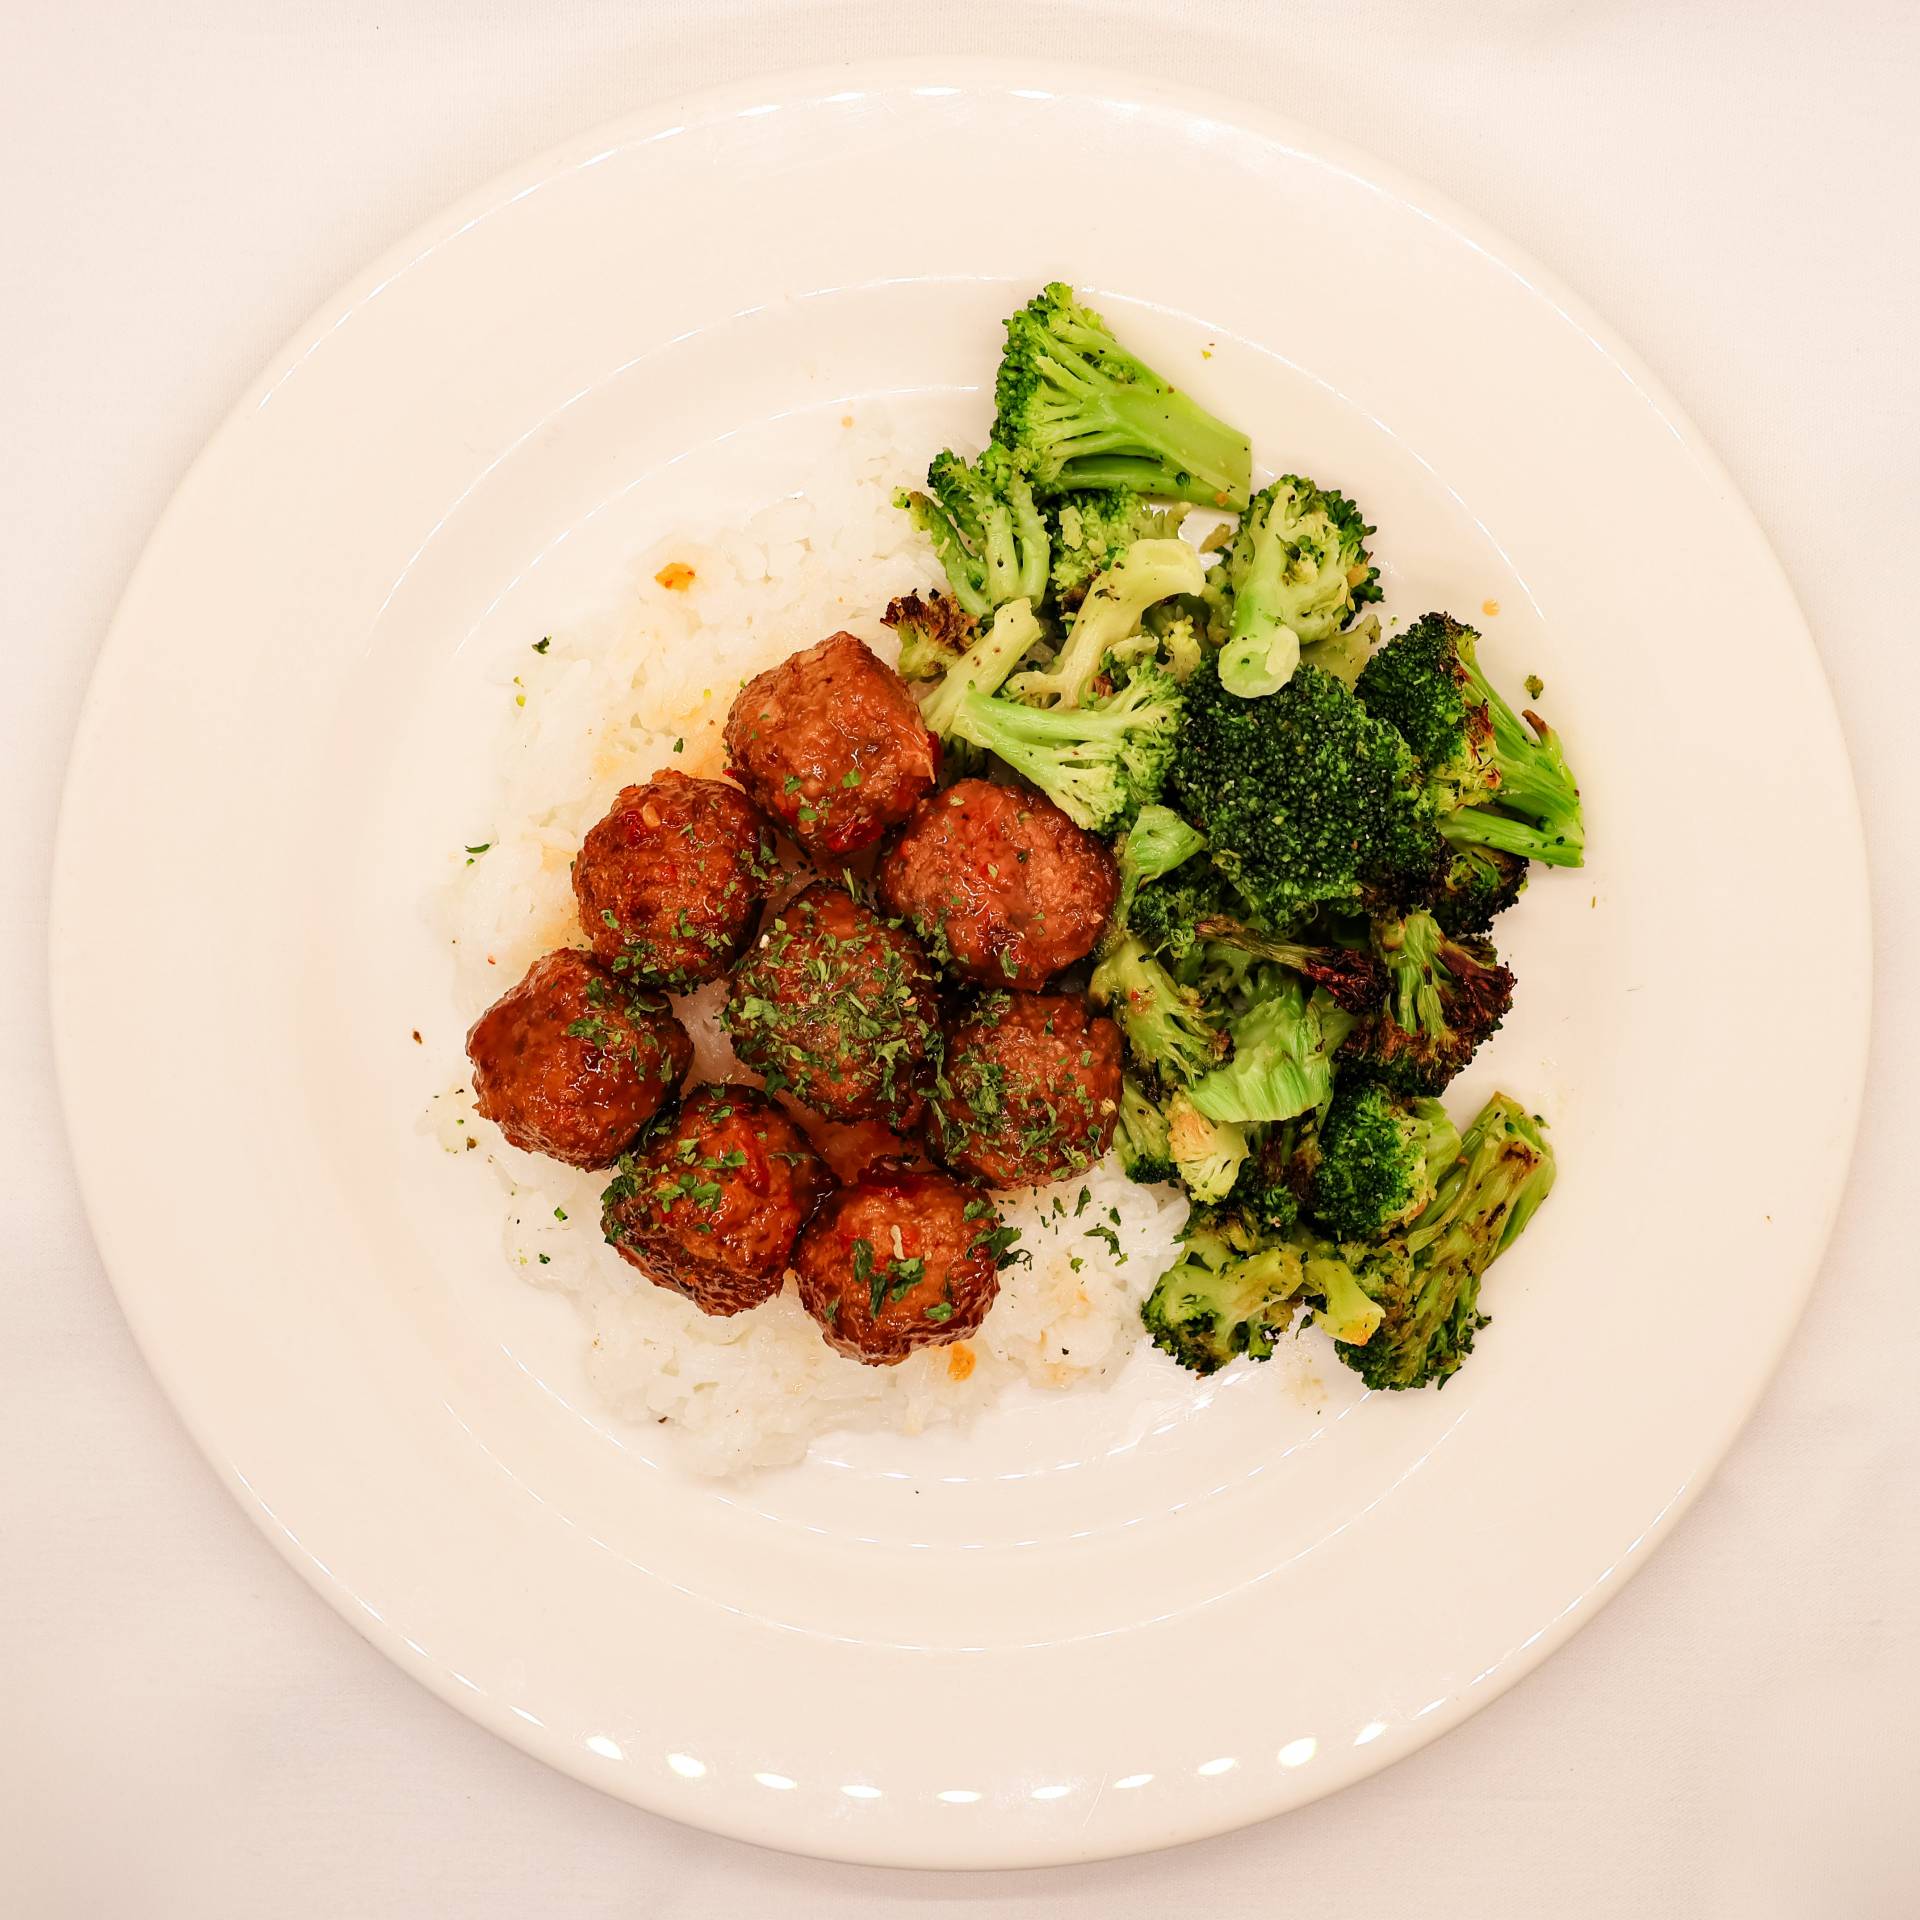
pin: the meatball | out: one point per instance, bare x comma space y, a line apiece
710, 1206
670, 881
831, 743
573, 1062
1000, 883
837, 1007
1032, 1090
903, 1260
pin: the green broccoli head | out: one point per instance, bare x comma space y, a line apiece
1141, 1135
1378, 1155
985, 528
934, 630
1092, 529
1294, 574
1266, 1192
1429, 1294
1082, 412
1100, 762
1497, 782
1476, 885
1304, 797
1226, 1296
1444, 997
1166, 1030
1281, 1065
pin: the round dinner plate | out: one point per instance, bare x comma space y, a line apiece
1089, 1622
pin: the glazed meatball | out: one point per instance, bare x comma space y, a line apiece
1000, 883
1032, 1090
831, 743
670, 881
710, 1205
903, 1260
837, 1006
573, 1062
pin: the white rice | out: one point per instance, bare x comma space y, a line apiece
602, 708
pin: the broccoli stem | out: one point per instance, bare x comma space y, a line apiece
1148, 572
983, 668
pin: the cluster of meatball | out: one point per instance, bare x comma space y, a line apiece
905, 1011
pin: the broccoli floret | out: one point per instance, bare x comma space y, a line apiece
1428, 1285
1351, 976
1226, 1295
1081, 411
1444, 997
1092, 530
1295, 571
1172, 631
1207, 1153
1496, 782
1345, 655
1266, 1193
1378, 1155
933, 632
1477, 884
1099, 763
1165, 1029
1281, 1063
1304, 797
1141, 1135
1157, 842
985, 528
1149, 571
983, 668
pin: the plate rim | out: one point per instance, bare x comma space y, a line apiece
976, 73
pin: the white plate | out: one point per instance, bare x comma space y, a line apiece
1104, 1624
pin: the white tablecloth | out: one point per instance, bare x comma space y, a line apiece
186, 1730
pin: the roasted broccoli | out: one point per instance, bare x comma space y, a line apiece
1207, 1153
1497, 783
1281, 1065
1162, 1022
1092, 530
1266, 1195
985, 528
1444, 997
1426, 1280
1476, 884
983, 668
1304, 797
933, 631
1294, 572
1149, 571
1157, 842
1141, 1135
1080, 411
1100, 762
1377, 1156
1228, 1294
1352, 977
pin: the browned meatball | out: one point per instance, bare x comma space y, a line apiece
573, 1062
670, 881
710, 1205
1032, 1090
831, 743
903, 1260
837, 1007
1000, 882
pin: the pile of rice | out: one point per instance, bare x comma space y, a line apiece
601, 708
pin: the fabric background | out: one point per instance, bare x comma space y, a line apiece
186, 1730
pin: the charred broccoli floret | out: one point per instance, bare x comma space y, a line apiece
1227, 1295
1378, 1154
982, 669
1351, 976
1208, 1154
1304, 797
1444, 997
1497, 783
985, 528
1080, 411
1295, 572
934, 630
1477, 884
1428, 1285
